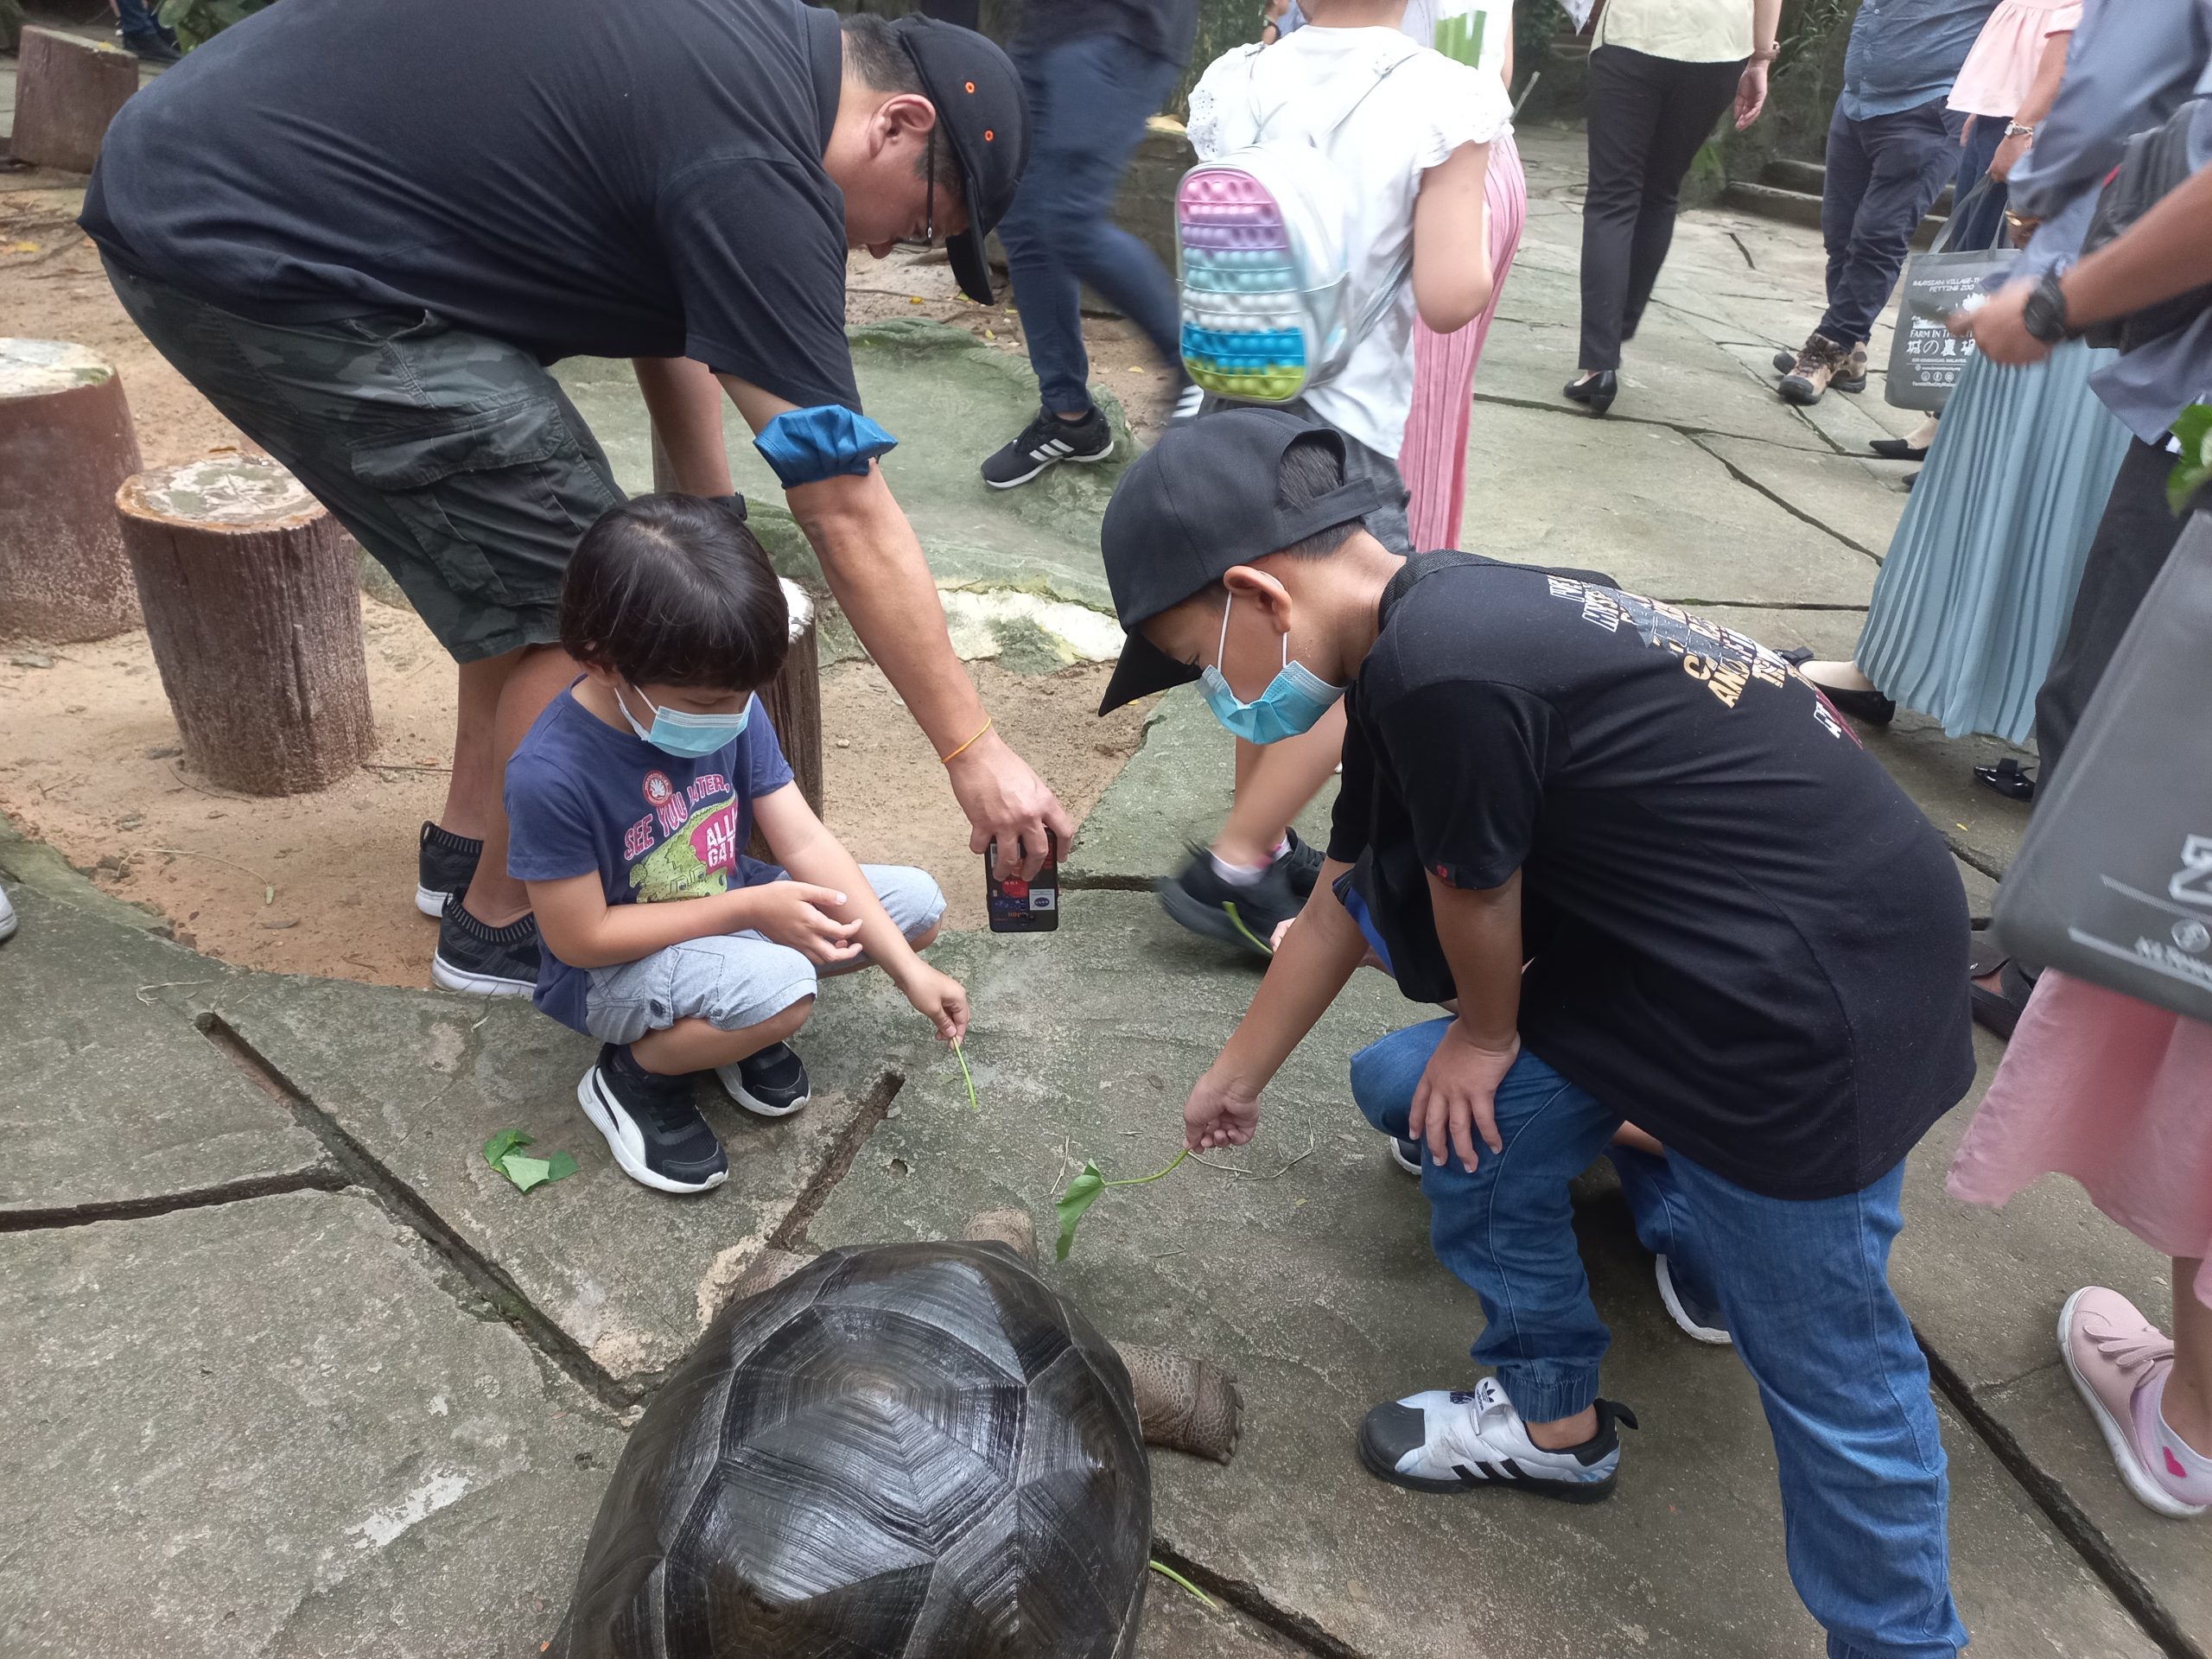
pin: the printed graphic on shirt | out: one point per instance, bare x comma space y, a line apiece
1727, 663
699, 849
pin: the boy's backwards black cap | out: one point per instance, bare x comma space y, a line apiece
983, 113
1197, 503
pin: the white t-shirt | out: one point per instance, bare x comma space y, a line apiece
1474, 31
1428, 107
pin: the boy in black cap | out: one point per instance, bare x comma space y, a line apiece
1743, 936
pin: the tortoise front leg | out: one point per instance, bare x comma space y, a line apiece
1187, 1405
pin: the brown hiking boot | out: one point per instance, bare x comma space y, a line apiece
1823, 362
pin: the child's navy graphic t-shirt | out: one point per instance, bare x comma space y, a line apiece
584, 798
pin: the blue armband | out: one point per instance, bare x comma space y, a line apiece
805, 446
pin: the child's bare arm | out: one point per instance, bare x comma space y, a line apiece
584, 931
1451, 273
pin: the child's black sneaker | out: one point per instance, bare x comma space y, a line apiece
475, 956
1242, 914
651, 1124
1302, 862
1457, 1441
1701, 1321
1046, 441
444, 866
1407, 1153
771, 1083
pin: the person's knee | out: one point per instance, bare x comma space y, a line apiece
1386, 1072
778, 1027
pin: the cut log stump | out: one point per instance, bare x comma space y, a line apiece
68, 89
793, 703
65, 444
253, 604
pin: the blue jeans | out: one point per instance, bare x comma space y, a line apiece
1884, 173
1089, 99
1984, 226
1803, 1285
137, 24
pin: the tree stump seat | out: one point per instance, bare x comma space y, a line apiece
68, 89
65, 443
253, 601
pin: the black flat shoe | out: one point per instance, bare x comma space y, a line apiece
1597, 393
1868, 708
1899, 450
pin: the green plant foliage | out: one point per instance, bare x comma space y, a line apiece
194, 22
2194, 470
1085, 1189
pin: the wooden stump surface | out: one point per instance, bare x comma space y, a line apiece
253, 605
68, 89
65, 444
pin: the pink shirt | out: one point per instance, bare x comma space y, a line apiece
1994, 78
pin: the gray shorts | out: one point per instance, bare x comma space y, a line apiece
454, 458
735, 980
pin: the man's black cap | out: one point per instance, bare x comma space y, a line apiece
1200, 502
983, 113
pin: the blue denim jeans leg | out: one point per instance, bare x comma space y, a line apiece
1984, 227
137, 24
1804, 1286
1884, 173
1089, 99
1508, 1228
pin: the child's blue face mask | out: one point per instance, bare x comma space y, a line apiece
1294, 699
685, 737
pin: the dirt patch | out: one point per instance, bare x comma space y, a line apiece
324, 883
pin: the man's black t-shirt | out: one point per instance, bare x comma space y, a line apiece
1163, 28
1746, 939
636, 179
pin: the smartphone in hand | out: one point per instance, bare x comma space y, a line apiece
1024, 906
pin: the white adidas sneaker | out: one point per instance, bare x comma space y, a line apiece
1459, 1440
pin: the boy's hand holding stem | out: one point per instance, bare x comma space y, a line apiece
1480, 932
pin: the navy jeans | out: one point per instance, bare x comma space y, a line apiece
1984, 226
137, 24
1884, 173
1803, 1285
1089, 99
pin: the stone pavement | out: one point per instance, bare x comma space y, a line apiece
290, 1371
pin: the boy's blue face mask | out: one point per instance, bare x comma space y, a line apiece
686, 737
1294, 699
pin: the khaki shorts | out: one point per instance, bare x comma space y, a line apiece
454, 458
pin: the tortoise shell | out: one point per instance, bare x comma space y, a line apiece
908, 1452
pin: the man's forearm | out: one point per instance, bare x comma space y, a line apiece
1481, 935
1318, 956
875, 565
686, 406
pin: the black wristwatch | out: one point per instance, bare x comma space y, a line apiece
2044, 314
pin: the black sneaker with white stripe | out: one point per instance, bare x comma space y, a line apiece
1046, 441
444, 865
1459, 1440
474, 955
651, 1124
771, 1083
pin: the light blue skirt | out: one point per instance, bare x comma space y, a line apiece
1973, 600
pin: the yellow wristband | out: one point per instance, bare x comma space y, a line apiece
947, 760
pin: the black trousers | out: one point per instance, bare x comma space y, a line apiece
2133, 541
1647, 117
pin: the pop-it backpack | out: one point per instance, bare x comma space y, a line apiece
1265, 270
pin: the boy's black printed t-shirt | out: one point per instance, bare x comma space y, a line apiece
636, 179
584, 798
1746, 939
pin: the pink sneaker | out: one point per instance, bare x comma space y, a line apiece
2119, 1361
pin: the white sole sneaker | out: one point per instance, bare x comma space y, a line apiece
608, 1117
431, 904
447, 977
1046, 465
1411, 1166
752, 1103
2118, 1440
1690, 1328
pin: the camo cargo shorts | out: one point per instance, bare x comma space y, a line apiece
454, 458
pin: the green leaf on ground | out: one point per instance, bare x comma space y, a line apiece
1170, 1573
526, 1171
560, 1166
497, 1148
1082, 1193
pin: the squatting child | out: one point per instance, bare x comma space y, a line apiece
1740, 934
633, 798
